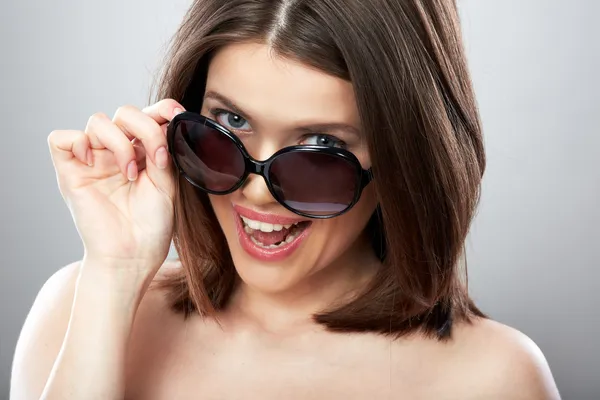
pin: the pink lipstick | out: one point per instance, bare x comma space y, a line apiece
269, 237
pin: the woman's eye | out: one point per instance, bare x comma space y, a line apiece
323, 140
231, 121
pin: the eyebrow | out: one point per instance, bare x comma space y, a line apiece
311, 128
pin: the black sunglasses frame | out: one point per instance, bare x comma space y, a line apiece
262, 168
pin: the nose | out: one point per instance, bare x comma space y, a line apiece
255, 188
256, 191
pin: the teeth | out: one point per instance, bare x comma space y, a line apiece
252, 224
266, 227
291, 238
263, 226
288, 240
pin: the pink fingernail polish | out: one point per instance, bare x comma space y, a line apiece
132, 171
161, 157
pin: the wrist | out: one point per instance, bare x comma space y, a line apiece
125, 280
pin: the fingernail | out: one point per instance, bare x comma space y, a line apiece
132, 171
161, 158
177, 111
90, 158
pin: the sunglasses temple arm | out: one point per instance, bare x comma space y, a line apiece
367, 176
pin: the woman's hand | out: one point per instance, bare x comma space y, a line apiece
117, 181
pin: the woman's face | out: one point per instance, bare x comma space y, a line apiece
271, 103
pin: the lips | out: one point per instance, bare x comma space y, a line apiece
269, 237
267, 218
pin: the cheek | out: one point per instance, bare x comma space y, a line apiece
337, 234
355, 220
365, 207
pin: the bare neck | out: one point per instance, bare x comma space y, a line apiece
293, 308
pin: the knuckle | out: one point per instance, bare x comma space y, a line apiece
168, 103
80, 139
165, 107
96, 117
124, 110
52, 136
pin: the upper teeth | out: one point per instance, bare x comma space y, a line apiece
265, 227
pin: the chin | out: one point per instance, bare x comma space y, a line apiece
271, 279
275, 250
286, 258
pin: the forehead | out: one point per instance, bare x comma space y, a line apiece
273, 89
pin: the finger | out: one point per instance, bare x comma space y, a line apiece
66, 144
163, 111
145, 129
104, 134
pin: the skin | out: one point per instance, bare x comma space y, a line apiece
266, 346
335, 259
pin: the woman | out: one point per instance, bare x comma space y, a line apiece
318, 164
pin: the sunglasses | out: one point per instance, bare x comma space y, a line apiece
310, 180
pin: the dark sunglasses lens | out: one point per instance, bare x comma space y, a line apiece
208, 157
314, 183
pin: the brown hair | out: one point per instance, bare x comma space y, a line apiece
418, 113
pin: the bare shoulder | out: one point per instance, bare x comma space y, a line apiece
501, 362
44, 330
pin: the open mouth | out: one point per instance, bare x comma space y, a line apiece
272, 236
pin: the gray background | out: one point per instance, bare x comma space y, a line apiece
533, 259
